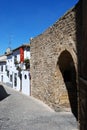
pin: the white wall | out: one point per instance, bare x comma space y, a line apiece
12, 68
3, 74
9, 67
15, 71
26, 53
17, 87
25, 82
9, 62
5, 78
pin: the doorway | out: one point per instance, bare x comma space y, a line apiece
20, 82
2, 78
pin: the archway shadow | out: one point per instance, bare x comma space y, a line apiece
72, 95
68, 71
3, 93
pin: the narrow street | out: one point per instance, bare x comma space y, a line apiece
20, 112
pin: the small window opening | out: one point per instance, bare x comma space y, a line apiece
25, 76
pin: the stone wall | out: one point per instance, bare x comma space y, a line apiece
47, 81
83, 69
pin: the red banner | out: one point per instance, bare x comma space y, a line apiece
21, 54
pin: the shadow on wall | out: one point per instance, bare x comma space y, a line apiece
3, 93
79, 56
81, 35
68, 71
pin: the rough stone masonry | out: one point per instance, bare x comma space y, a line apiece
54, 58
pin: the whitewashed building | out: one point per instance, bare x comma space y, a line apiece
3, 72
17, 69
21, 70
9, 66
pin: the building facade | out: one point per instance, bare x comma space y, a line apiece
17, 69
59, 64
3, 74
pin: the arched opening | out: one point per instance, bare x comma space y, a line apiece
67, 68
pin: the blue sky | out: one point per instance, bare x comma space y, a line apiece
22, 19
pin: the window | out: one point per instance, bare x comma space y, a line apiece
15, 59
7, 73
10, 78
15, 79
2, 78
27, 63
25, 76
6, 68
2, 68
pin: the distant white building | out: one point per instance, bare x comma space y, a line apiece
17, 70
10, 68
3, 72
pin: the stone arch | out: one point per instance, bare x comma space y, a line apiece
67, 66
72, 53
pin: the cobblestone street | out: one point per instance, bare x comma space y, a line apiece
20, 112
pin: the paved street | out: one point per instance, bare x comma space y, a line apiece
20, 112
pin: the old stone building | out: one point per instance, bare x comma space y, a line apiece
59, 64
54, 63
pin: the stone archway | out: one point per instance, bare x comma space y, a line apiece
68, 72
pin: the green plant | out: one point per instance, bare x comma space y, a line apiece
27, 63
16, 62
26, 60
